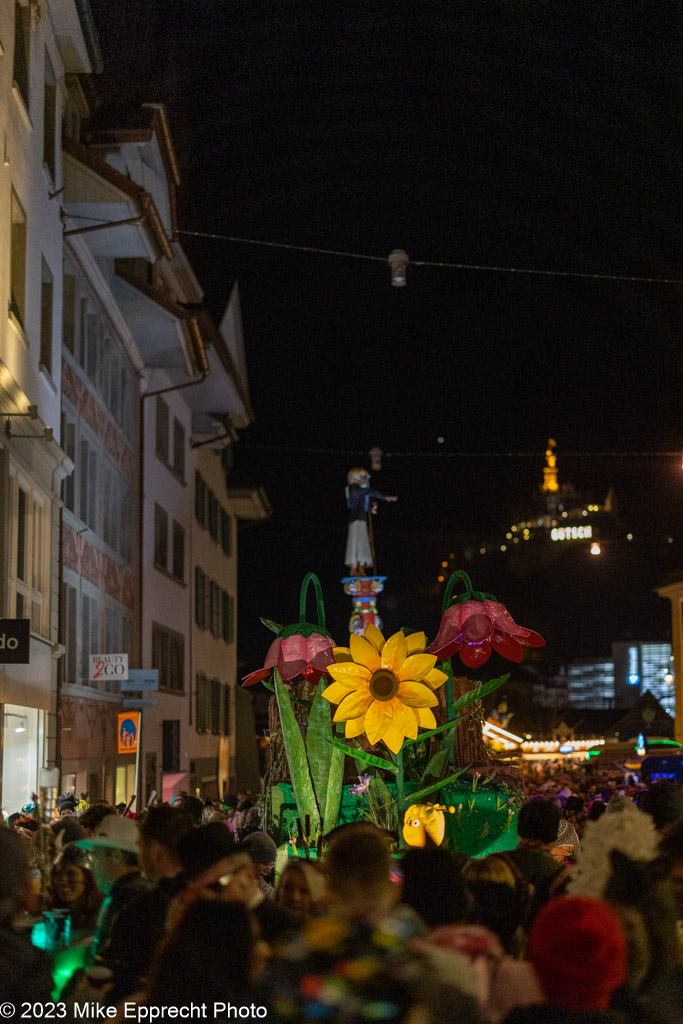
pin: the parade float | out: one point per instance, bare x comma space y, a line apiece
386, 729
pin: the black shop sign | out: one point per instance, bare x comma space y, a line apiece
15, 641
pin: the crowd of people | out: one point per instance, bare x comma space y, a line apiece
580, 923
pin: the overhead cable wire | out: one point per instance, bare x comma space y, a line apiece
479, 267
460, 455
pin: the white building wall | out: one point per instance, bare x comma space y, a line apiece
23, 380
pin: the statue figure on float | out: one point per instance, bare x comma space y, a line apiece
361, 500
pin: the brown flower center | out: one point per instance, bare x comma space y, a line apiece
383, 685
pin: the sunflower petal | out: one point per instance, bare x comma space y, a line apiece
350, 674
394, 653
355, 727
364, 653
435, 678
377, 720
425, 718
354, 705
335, 693
415, 643
342, 654
416, 667
417, 695
393, 739
404, 719
374, 636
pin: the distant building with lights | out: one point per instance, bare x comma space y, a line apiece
590, 683
634, 669
561, 518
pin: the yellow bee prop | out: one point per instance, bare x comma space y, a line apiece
422, 820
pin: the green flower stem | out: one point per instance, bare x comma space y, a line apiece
400, 799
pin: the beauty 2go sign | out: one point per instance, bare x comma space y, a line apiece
108, 666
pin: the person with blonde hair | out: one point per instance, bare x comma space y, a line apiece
301, 889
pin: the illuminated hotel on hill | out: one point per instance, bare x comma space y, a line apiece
565, 518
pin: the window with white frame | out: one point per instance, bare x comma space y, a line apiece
17, 298
118, 510
119, 637
87, 465
90, 338
22, 50
90, 632
49, 117
69, 632
46, 302
29, 553
168, 655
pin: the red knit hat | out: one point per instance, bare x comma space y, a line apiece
578, 949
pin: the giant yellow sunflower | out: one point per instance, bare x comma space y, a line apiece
384, 689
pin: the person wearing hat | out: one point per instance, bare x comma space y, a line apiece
262, 851
66, 804
142, 924
114, 850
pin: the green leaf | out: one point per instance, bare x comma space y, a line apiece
269, 624
438, 763
295, 700
480, 691
301, 700
416, 797
319, 745
434, 732
277, 798
296, 757
360, 755
335, 784
383, 807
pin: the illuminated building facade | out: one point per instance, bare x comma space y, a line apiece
634, 669
590, 683
639, 667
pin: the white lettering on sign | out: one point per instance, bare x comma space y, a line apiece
571, 533
108, 666
8, 643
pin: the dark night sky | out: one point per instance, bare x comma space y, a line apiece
528, 134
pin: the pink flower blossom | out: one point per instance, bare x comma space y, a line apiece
473, 627
296, 655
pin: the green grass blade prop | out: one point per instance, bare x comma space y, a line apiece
421, 793
479, 691
335, 783
319, 745
360, 755
438, 763
433, 732
296, 757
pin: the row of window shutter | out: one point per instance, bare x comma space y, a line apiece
214, 608
211, 516
213, 706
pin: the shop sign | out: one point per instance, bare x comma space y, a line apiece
15, 641
128, 732
141, 679
108, 666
